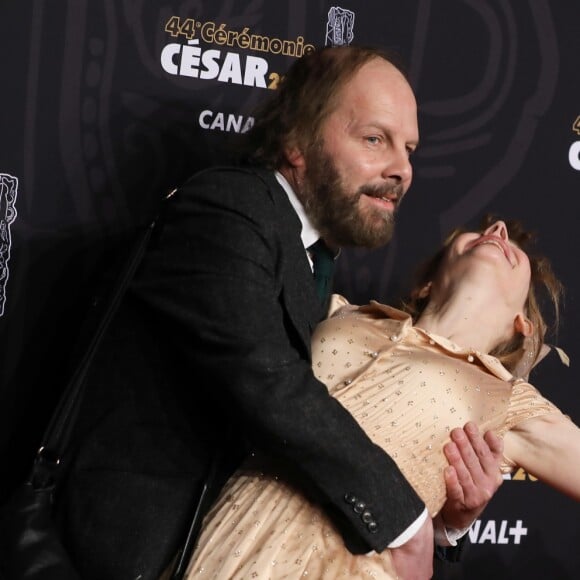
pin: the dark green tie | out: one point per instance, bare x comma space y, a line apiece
323, 268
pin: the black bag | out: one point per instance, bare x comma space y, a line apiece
32, 541
30, 544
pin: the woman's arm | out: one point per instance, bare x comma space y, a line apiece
548, 447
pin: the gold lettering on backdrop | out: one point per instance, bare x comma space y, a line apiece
176, 27
227, 65
220, 34
275, 79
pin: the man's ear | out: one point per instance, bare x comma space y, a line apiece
523, 325
294, 156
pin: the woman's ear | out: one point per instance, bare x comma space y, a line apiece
523, 325
425, 291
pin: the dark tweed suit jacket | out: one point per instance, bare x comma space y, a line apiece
211, 349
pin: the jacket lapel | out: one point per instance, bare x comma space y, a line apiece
298, 291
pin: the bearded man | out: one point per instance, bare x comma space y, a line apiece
223, 309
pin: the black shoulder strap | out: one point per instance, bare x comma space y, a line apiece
60, 426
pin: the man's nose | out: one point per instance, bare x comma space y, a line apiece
398, 167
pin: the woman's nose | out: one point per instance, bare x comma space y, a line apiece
498, 229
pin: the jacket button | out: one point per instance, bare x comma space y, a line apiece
373, 527
359, 507
366, 517
350, 498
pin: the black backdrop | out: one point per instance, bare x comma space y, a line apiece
107, 104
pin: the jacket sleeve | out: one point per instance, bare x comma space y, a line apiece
222, 274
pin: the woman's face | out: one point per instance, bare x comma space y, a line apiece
490, 258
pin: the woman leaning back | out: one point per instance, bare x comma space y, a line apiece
460, 352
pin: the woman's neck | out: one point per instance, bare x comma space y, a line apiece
471, 320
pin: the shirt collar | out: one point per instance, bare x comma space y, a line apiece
308, 235
404, 322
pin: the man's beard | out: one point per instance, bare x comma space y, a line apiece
335, 211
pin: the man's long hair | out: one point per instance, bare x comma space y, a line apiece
307, 94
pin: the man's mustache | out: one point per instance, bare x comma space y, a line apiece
391, 192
